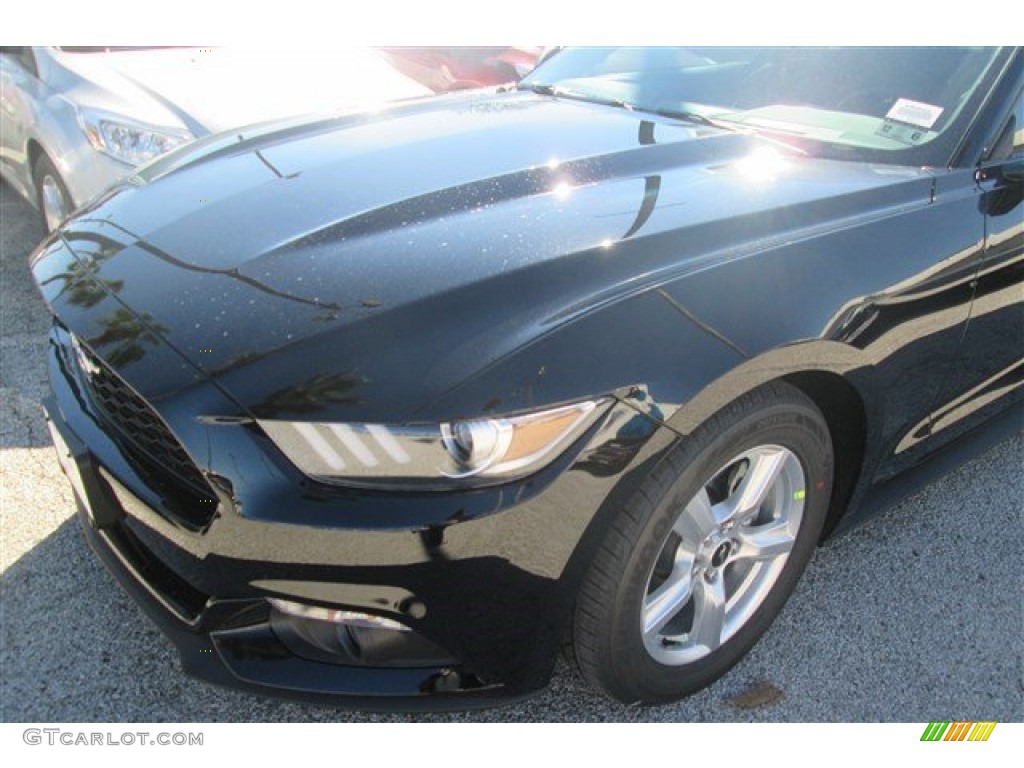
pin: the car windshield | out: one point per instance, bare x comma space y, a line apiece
876, 104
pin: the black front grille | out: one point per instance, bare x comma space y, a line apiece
144, 435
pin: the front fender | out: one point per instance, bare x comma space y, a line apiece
813, 356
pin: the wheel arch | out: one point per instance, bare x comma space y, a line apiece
836, 378
841, 405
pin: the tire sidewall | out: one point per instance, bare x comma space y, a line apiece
45, 167
795, 426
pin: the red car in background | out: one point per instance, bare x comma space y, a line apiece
453, 69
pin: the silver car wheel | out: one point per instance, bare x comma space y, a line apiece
55, 205
723, 554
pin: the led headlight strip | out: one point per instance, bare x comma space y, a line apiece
433, 455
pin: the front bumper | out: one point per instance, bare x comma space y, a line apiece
230, 642
492, 585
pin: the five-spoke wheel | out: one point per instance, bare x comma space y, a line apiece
723, 554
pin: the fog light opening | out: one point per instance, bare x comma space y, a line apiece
351, 637
336, 616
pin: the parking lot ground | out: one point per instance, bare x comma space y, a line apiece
915, 616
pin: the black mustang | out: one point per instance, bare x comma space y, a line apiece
386, 408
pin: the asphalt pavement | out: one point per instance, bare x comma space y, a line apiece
915, 616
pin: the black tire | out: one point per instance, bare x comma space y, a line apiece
620, 594
43, 171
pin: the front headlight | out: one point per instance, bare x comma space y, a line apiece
450, 455
128, 141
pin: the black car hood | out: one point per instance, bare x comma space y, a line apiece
361, 266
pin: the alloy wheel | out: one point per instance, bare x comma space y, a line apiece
724, 553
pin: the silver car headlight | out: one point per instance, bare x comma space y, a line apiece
126, 140
449, 455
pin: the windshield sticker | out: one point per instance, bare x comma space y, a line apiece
915, 113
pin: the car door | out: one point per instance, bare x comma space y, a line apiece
990, 365
19, 88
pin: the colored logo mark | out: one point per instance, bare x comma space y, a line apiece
958, 731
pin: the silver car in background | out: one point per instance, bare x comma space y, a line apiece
75, 120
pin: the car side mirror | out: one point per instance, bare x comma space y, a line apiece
1010, 161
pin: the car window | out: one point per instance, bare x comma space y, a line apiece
1010, 143
878, 104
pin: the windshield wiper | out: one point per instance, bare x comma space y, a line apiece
725, 125
673, 114
693, 117
542, 88
567, 93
